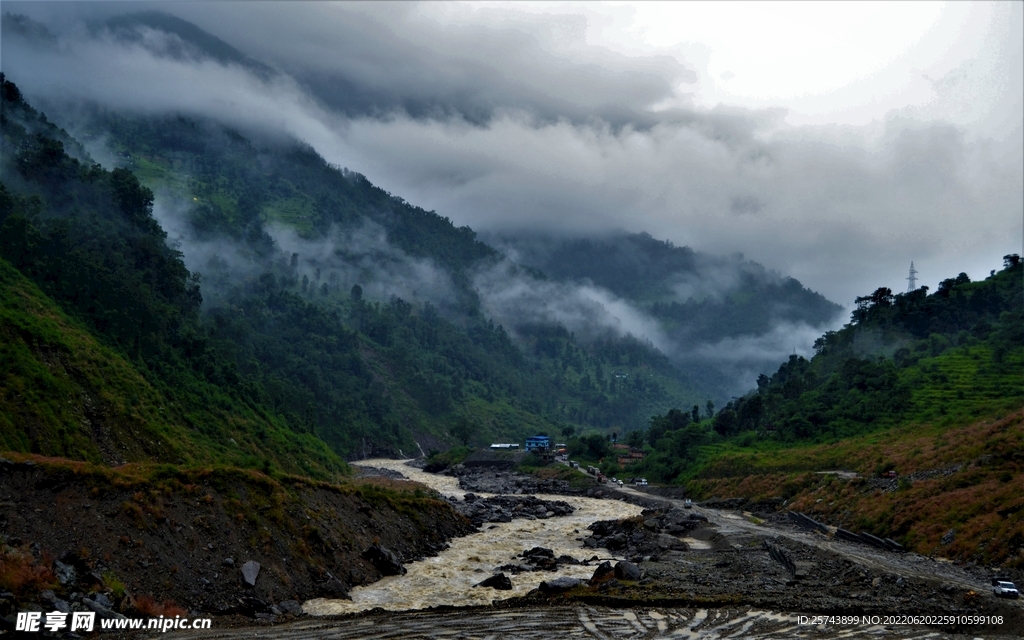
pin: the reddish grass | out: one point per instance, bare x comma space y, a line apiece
149, 607
983, 501
22, 574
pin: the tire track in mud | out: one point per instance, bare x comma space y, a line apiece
569, 623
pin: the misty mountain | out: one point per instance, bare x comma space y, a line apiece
723, 319
163, 34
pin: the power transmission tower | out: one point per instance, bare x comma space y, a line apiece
912, 279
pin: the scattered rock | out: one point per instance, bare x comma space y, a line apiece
627, 571
657, 531
290, 606
604, 571
384, 560
498, 581
539, 559
559, 585
504, 508
334, 588
949, 537
101, 611
65, 573
250, 571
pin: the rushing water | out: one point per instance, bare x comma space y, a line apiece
448, 578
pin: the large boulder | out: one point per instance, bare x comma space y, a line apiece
250, 571
670, 543
498, 581
559, 585
604, 571
384, 560
627, 571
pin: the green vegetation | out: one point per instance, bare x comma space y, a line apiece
652, 272
103, 350
908, 358
441, 460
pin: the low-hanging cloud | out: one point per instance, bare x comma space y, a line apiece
505, 121
515, 297
359, 255
743, 358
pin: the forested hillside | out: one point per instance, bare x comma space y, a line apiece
288, 336
701, 297
103, 356
945, 357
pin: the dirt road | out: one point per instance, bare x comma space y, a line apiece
904, 564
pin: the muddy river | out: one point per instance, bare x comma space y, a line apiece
448, 578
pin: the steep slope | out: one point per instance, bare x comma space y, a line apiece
702, 297
63, 393
105, 353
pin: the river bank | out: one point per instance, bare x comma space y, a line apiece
152, 540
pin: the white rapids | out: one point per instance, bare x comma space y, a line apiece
448, 579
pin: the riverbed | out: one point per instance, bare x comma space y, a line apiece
448, 579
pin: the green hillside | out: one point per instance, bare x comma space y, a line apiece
65, 394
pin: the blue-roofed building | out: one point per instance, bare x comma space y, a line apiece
538, 443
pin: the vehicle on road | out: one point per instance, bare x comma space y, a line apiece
640, 482
1004, 589
688, 504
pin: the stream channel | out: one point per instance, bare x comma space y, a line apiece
448, 578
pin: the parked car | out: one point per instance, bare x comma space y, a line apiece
688, 504
1004, 589
641, 482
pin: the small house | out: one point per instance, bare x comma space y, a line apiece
538, 443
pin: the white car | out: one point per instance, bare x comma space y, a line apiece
1004, 589
688, 503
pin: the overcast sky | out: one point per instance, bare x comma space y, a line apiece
834, 142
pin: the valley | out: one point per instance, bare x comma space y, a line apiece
240, 379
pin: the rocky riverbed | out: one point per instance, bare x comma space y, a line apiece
671, 556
